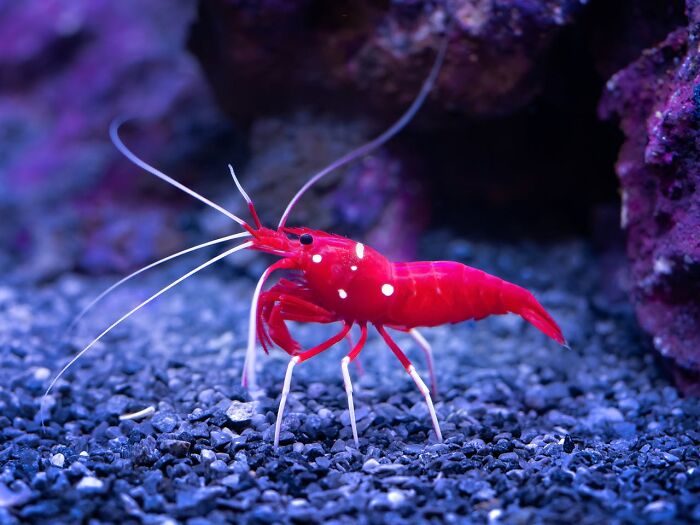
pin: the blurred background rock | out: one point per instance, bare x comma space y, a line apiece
551, 119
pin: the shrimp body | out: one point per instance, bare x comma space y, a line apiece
440, 292
354, 283
336, 279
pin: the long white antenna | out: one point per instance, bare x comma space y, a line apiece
133, 311
117, 141
152, 265
378, 141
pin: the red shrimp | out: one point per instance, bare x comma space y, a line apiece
341, 280
336, 279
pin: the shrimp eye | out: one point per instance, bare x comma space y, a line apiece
306, 239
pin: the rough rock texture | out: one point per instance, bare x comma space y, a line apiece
534, 433
274, 55
657, 99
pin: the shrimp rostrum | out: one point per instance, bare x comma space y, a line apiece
334, 279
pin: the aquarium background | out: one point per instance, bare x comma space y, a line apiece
558, 150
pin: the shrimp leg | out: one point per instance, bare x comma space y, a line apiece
428, 351
348, 383
300, 358
414, 375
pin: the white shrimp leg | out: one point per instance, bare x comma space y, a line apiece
351, 403
137, 308
348, 382
428, 351
283, 398
300, 358
426, 394
416, 378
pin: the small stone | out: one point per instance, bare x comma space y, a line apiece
198, 414
90, 485
219, 466
624, 429
207, 455
509, 457
323, 462
338, 446
145, 452
164, 422
568, 444
206, 396
240, 414
221, 438
660, 511
117, 404
41, 374
58, 460
371, 465
176, 447
601, 415
198, 501
396, 497
313, 450
232, 480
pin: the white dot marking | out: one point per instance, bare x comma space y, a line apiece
317, 258
360, 250
353, 268
342, 293
387, 289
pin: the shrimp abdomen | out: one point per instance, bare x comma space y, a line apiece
439, 292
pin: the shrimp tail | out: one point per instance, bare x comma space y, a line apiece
544, 322
521, 302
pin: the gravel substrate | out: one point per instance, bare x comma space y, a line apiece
534, 433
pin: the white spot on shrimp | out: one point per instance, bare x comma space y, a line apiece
342, 293
353, 268
387, 289
317, 258
360, 250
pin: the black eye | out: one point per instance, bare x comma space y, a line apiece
306, 239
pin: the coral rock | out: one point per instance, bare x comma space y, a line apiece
657, 99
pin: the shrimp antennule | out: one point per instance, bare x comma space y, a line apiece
251, 206
247, 244
378, 141
117, 141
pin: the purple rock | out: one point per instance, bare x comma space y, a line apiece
657, 99
66, 70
